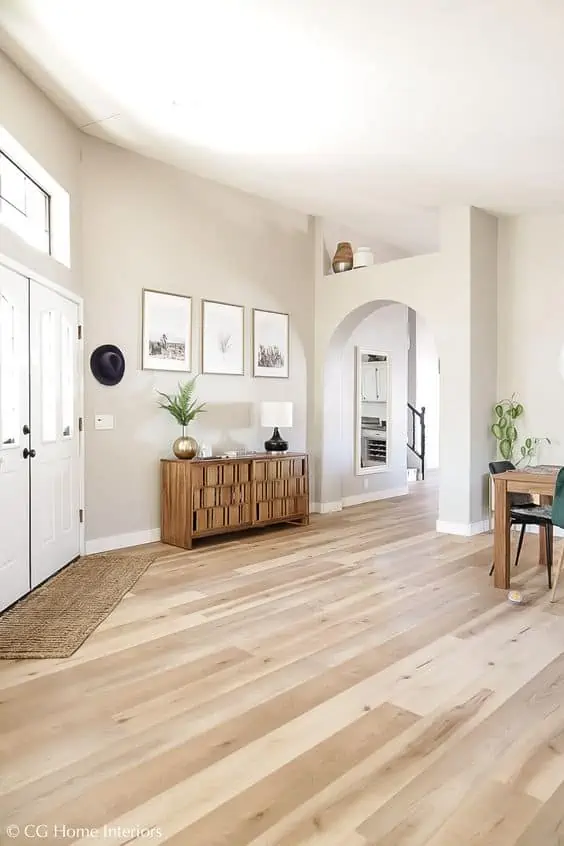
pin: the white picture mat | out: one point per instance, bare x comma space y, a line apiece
223, 333
271, 330
167, 331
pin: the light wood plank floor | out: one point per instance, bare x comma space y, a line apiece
354, 682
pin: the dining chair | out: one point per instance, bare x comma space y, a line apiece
558, 520
524, 512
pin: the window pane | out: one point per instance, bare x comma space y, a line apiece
12, 183
67, 377
48, 376
14, 219
9, 388
24, 206
36, 206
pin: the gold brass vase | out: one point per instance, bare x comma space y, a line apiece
185, 446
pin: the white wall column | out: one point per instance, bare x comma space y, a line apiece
483, 352
468, 368
455, 291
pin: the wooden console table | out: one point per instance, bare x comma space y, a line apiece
206, 496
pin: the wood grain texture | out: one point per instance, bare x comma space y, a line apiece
501, 533
531, 480
353, 682
203, 498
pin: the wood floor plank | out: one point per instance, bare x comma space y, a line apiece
353, 682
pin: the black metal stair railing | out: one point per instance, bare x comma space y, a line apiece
416, 433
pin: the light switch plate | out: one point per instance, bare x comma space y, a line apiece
104, 421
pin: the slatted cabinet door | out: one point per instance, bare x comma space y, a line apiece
281, 488
221, 497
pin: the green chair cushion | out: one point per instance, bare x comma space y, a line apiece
558, 501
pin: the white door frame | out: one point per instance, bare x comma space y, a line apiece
11, 264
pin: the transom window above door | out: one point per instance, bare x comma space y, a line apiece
24, 205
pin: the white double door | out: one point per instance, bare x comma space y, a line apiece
39, 437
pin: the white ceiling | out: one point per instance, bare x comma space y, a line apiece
370, 112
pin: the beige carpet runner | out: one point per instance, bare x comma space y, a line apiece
54, 620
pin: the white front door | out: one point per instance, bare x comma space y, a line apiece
14, 421
55, 467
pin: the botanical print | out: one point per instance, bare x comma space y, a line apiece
270, 356
222, 338
270, 343
167, 335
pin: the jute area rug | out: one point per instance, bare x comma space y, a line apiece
54, 620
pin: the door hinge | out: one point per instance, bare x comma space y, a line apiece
80, 424
79, 329
81, 515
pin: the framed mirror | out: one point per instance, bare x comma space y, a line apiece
372, 419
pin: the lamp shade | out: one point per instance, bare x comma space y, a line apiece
276, 414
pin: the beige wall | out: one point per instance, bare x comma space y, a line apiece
531, 326
334, 232
427, 390
483, 346
142, 224
52, 140
149, 225
146, 224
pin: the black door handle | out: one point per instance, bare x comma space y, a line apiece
26, 430
28, 453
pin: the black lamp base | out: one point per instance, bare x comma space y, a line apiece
276, 442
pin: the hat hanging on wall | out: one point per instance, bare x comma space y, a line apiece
107, 364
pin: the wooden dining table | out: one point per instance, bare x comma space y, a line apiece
531, 480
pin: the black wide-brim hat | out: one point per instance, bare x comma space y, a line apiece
107, 364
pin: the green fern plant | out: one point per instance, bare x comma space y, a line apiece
506, 412
183, 406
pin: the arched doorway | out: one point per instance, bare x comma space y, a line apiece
364, 437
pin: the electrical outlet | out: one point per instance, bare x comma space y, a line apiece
366, 484
104, 421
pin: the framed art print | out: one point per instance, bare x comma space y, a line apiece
167, 331
223, 338
271, 344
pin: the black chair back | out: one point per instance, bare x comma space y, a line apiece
515, 499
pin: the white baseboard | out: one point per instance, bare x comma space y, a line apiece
558, 532
469, 529
121, 541
326, 507
356, 499
372, 496
464, 529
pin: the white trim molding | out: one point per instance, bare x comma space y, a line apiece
326, 507
16, 266
122, 541
558, 532
373, 496
356, 499
464, 529
59, 198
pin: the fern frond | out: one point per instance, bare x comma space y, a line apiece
182, 405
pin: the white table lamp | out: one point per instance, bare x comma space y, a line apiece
276, 414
